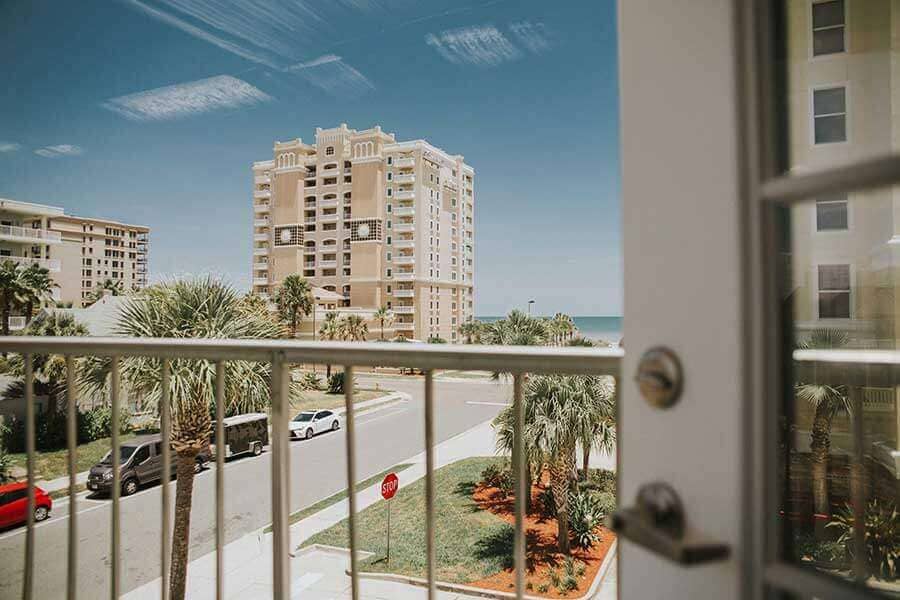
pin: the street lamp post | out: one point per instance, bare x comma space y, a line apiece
530, 302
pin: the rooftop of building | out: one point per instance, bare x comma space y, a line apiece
99, 221
29, 208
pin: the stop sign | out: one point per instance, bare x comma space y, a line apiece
389, 486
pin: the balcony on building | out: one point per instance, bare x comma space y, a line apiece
402, 259
404, 194
328, 202
404, 309
14, 233
261, 207
261, 264
309, 220
404, 325
328, 217
263, 222
328, 264
404, 293
404, 275
405, 178
260, 237
261, 251
52, 265
403, 227
262, 179
260, 281
404, 243
309, 249
404, 211
267, 193
403, 163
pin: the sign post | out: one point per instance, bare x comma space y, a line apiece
388, 489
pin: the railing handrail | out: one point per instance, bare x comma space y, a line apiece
520, 359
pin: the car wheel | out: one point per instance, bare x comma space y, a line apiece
41, 513
129, 487
335, 426
309, 433
257, 449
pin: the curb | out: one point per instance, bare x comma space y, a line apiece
377, 404
459, 588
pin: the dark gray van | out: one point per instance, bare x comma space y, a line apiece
244, 434
140, 459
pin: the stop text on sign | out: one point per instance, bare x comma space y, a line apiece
389, 486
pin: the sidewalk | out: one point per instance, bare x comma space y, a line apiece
318, 572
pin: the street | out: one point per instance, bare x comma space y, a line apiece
384, 438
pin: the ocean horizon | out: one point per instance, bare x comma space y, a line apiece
608, 329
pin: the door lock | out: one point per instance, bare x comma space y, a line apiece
659, 377
656, 523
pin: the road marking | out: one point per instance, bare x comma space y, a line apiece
488, 403
303, 582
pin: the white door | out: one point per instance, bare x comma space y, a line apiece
759, 150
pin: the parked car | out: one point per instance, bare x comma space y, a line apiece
140, 461
244, 434
14, 504
311, 422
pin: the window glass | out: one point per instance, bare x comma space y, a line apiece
828, 27
142, 454
831, 214
830, 120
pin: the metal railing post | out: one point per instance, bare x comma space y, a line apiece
116, 490
28, 581
220, 480
72, 443
519, 466
431, 554
350, 436
165, 430
280, 465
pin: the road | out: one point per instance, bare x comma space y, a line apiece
318, 468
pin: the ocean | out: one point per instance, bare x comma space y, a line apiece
608, 329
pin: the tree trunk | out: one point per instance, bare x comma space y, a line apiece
29, 312
559, 483
585, 461
528, 484
327, 372
820, 445
294, 325
184, 491
4, 314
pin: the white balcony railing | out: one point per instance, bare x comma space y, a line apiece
405, 162
260, 237
16, 323
309, 250
399, 243
260, 252
404, 293
28, 234
404, 211
329, 218
404, 194
262, 179
405, 178
261, 265
260, 281
404, 276
404, 325
404, 310
405, 260
261, 207
328, 264
260, 222
280, 355
328, 203
262, 193
404, 227
51, 264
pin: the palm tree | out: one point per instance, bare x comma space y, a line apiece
49, 370
295, 300
109, 287
353, 328
383, 314
827, 401
560, 412
517, 329
330, 331
597, 429
471, 330
35, 287
202, 308
10, 291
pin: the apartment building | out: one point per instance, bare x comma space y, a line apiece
379, 221
80, 253
94, 250
843, 83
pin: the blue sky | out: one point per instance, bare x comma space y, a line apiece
151, 111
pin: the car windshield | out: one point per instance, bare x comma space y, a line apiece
304, 417
125, 453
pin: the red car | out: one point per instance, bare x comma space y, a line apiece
14, 504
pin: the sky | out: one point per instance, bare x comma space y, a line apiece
152, 111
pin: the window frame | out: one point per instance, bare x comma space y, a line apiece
845, 85
825, 232
851, 276
812, 30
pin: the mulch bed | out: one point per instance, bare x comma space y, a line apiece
541, 547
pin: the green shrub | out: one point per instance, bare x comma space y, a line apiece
50, 429
600, 480
607, 502
882, 525
585, 516
311, 381
96, 423
553, 576
548, 504
543, 588
806, 546
336, 383
5, 466
498, 476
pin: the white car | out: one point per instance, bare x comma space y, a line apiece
310, 422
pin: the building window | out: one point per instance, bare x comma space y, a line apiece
388, 289
388, 273
831, 214
390, 176
828, 27
389, 257
390, 192
388, 208
834, 291
388, 240
390, 160
830, 115
329, 151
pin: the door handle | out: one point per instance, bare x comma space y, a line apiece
656, 523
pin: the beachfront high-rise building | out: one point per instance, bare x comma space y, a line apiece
79, 252
377, 221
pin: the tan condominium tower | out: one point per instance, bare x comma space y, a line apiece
378, 221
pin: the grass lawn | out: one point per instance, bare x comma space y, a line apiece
54, 463
465, 374
311, 399
471, 543
335, 498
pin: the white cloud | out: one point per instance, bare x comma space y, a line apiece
187, 99
533, 36
59, 150
9, 147
482, 45
331, 74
